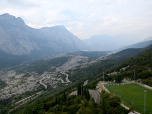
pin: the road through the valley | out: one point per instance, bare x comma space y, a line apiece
94, 93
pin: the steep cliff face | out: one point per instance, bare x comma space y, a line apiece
14, 36
17, 38
59, 38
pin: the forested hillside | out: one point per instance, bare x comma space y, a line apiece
141, 63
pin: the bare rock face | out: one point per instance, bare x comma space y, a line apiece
18, 39
14, 36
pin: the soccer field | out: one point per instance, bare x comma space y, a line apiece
134, 93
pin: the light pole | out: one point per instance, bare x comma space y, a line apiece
145, 100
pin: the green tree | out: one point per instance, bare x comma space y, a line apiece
79, 89
82, 92
119, 78
56, 100
27, 110
87, 94
114, 100
38, 106
4, 111
103, 104
64, 96
72, 109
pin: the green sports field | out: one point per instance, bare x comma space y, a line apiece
133, 93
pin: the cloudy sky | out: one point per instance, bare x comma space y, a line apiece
85, 18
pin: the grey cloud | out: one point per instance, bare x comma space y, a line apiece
87, 17
22, 3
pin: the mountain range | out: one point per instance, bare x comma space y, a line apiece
17, 38
142, 44
106, 42
20, 43
148, 39
115, 43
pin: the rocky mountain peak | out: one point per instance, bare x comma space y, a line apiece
10, 19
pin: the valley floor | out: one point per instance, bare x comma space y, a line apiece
20, 83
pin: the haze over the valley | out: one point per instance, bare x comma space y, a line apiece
53, 49
88, 17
